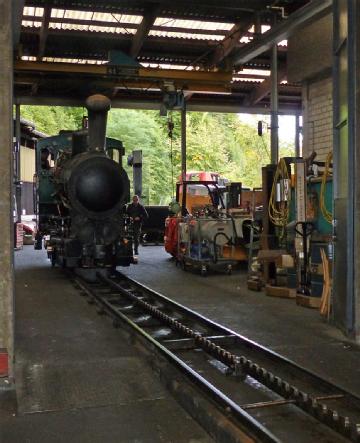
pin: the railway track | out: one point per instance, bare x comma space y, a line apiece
236, 389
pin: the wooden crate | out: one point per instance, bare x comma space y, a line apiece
308, 301
254, 285
280, 291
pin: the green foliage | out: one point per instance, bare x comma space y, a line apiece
215, 142
141, 130
51, 119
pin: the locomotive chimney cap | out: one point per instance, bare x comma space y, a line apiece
98, 102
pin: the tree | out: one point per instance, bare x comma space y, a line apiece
51, 119
215, 142
141, 130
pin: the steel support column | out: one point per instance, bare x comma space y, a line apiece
297, 136
6, 191
346, 96
183, 154
183, 142
274, 114
354, 97
17, 160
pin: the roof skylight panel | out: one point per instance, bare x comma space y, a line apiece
57, 13
81, 15
186, 35
195, 24
35, 12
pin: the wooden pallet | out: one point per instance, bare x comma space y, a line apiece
308, 301
254, 285
280, 291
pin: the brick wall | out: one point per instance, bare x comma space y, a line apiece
317, 117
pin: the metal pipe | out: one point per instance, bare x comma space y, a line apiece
274, 114
297, 135
98, 106
17, 163
183, 142
183, 157
17, 142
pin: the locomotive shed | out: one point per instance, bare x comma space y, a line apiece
150, 352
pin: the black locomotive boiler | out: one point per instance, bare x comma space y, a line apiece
81, 192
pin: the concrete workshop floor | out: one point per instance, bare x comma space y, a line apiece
76, 379
78, 382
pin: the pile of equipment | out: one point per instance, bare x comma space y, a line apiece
210, 227
296, 239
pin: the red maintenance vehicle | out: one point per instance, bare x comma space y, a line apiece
211, 223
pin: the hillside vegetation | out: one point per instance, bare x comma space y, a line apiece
215, 142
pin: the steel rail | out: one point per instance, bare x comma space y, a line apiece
250, 429
155, 304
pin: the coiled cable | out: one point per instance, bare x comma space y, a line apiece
324, 210
279, 210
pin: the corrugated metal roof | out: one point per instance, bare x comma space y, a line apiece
168, 66
168, 22
186, 35
82, 61
247, 80
245, 39
75, 60
92, 28
96, 16
263, 72
89, 16
31, 24
28, 58
194, 24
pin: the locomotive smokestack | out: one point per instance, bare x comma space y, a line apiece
98, 106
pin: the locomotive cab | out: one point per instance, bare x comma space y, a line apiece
80, 193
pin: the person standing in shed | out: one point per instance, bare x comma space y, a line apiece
138, 215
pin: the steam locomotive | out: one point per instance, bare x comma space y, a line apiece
80, 195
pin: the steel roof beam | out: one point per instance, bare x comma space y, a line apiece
302, 17
104, 70
230, 42
202, 105
44, 31
264, 88
143, 30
